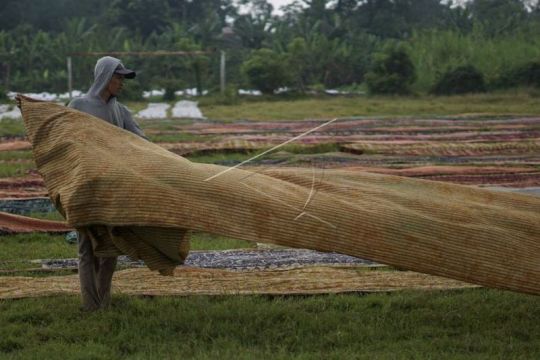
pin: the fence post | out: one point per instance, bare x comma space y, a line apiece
222, 73
70, 77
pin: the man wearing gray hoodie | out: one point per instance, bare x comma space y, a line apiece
95, 273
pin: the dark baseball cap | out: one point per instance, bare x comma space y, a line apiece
121, 70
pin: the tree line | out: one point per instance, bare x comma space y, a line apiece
386, 46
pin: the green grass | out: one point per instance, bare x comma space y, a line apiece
205, 241
310, 149
14, 169
219, 157
16, 155
35, 246
55, 215
479, 324
518, 102
12, 128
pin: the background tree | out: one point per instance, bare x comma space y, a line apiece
498, 16
267, 70
324, 43
392, 72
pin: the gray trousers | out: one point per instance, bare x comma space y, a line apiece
95, 274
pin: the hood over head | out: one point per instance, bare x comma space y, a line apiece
103, 72
111, 110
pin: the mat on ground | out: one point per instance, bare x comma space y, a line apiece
14, 224
195, 281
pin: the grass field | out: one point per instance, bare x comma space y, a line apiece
517, 103
471, 324
475, 323
464, 324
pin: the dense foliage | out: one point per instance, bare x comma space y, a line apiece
320, 43
461, 80
266, 70
392, 73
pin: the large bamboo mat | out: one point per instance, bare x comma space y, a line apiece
137, 198
195, 281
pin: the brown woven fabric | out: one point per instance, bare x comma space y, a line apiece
98, 174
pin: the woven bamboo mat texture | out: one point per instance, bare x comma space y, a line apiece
140, 198
195, 281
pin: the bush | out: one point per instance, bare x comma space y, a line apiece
461, 80
392, 72
229, 97
267, 70
528, 74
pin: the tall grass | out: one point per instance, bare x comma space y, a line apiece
435, 51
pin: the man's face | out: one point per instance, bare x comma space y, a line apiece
116, 84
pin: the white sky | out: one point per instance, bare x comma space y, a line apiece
278, 3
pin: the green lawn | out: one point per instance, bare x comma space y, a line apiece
469, 324
328, 107
11, 127
16, 155
15, 169
463, 324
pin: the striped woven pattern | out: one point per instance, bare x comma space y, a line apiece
102, 176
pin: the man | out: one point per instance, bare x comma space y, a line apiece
95, 273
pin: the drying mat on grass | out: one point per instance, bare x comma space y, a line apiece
15, 145
241, 260
28, 205
135, 197
195, 281
29, 186
10, 224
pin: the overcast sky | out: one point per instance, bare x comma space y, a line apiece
278, 3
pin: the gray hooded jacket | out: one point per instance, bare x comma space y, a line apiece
111, 111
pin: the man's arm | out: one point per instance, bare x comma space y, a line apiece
74, 104
131, 125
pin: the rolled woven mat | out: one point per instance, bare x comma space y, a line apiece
13, 224
137, 198
194, 281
